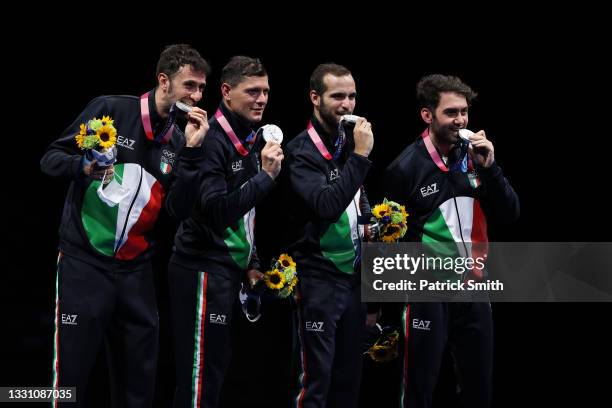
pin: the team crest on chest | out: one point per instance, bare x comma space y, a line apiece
474, 179
166, 162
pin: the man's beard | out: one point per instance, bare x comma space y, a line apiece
329, 117
443, 134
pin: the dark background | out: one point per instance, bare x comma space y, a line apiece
543, 83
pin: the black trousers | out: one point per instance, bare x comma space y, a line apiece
201, 308
467, 328
331, 328
113, 305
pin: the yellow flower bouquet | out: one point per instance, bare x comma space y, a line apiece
389, 221
97, 138
282, 277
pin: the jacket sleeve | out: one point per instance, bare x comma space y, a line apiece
500, 201
366, 215
395, 184
327, 201
185, 183
398, 182
63, 157
364, 203
221, 207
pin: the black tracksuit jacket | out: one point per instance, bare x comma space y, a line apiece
156, 174
218, 236
326, 200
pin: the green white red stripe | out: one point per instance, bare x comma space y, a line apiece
338, 241
165, 167
198, 349
56, 335
406, 327
465, 223
460, 222
302, 376
239, 240
120, 231
140, 218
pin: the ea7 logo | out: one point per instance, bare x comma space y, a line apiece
237, 165
69, 319
334, 175
314, 326
125, 142
421, 324
217, 318
429, 190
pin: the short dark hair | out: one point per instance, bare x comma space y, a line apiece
239, 67
316, 79
429, 87
173, 57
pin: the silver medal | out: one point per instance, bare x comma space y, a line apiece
272, 133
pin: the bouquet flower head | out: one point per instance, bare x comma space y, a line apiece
389, 220
282, 277
97, 133
385, 348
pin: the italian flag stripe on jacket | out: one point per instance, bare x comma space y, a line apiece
444, 226
119, 231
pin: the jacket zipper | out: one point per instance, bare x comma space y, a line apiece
127, 218
458, 220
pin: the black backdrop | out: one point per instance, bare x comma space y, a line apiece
539, 102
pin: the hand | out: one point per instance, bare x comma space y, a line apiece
197, 127
271, 158
254, 276
91, 169
481, 150
364, 138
